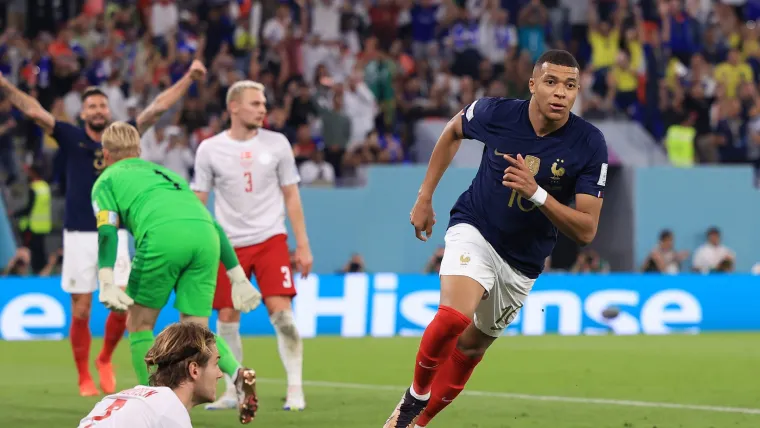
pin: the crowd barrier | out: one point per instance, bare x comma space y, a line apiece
386, 304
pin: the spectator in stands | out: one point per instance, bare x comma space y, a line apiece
434, 264
19, 263
664, 258
713, 255
589, 261
315, 171
354, 265
35, 220
8, 161
173, 152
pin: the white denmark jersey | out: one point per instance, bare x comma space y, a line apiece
139, 407
247, 177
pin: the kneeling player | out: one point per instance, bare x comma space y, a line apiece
178, 247
538, 157
184, 361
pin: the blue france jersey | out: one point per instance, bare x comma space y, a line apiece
570, 160
84, 163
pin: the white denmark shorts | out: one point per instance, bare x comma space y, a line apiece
468, 254
79, 273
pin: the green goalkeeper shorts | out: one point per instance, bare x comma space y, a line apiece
181, 256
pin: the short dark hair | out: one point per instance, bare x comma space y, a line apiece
557, 57
665, 234
92, 91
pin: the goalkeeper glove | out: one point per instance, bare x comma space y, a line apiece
245, 297
110, 295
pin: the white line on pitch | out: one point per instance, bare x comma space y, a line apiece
509, 395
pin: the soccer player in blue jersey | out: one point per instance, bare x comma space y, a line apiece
537, 158
84, 162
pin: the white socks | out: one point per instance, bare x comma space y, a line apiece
230, 332
422, 397
290, 346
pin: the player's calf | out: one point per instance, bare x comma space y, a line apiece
290, 347
455, 373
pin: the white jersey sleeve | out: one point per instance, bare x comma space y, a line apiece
287, 171
139, 407
203, 181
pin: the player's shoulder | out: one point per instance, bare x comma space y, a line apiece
487, 108
587, 132
275, 137
214, 141
155, 393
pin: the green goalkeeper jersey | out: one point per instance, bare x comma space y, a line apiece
142, 195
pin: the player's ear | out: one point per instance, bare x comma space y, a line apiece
532, 86
193, 370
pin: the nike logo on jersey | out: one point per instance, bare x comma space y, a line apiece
498, 153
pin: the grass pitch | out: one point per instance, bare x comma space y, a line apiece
705, 381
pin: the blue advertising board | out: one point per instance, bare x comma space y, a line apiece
387, 304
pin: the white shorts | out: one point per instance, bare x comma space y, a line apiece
79, 273
468, 254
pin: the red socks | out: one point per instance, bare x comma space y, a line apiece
116, 323
79, 335
438, 342
448, 384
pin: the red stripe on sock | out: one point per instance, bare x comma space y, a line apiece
437, 344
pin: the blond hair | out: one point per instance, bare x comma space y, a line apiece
239, 87
175, 348
121, 140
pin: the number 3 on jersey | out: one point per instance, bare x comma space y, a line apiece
248, 182
116, 405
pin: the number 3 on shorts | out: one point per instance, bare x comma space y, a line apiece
287, 281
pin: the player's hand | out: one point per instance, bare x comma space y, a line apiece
304, 260
245, 297
197, 70
113, 297
519, 177
422, 218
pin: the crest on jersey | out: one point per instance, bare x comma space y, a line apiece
533, 163
246, 159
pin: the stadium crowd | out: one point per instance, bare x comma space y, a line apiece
348, 80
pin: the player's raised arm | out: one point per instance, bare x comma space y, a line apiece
422, 216
28, 105
167, 98
107, 217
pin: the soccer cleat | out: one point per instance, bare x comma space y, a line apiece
107, 377
406, 412
87, 388
295, 400
248, 403
225, 402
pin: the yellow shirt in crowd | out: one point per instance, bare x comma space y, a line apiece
604, 50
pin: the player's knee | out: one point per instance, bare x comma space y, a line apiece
81, 305
285, 324
277, 304
229, 315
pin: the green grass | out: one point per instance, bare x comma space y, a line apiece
39, 388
